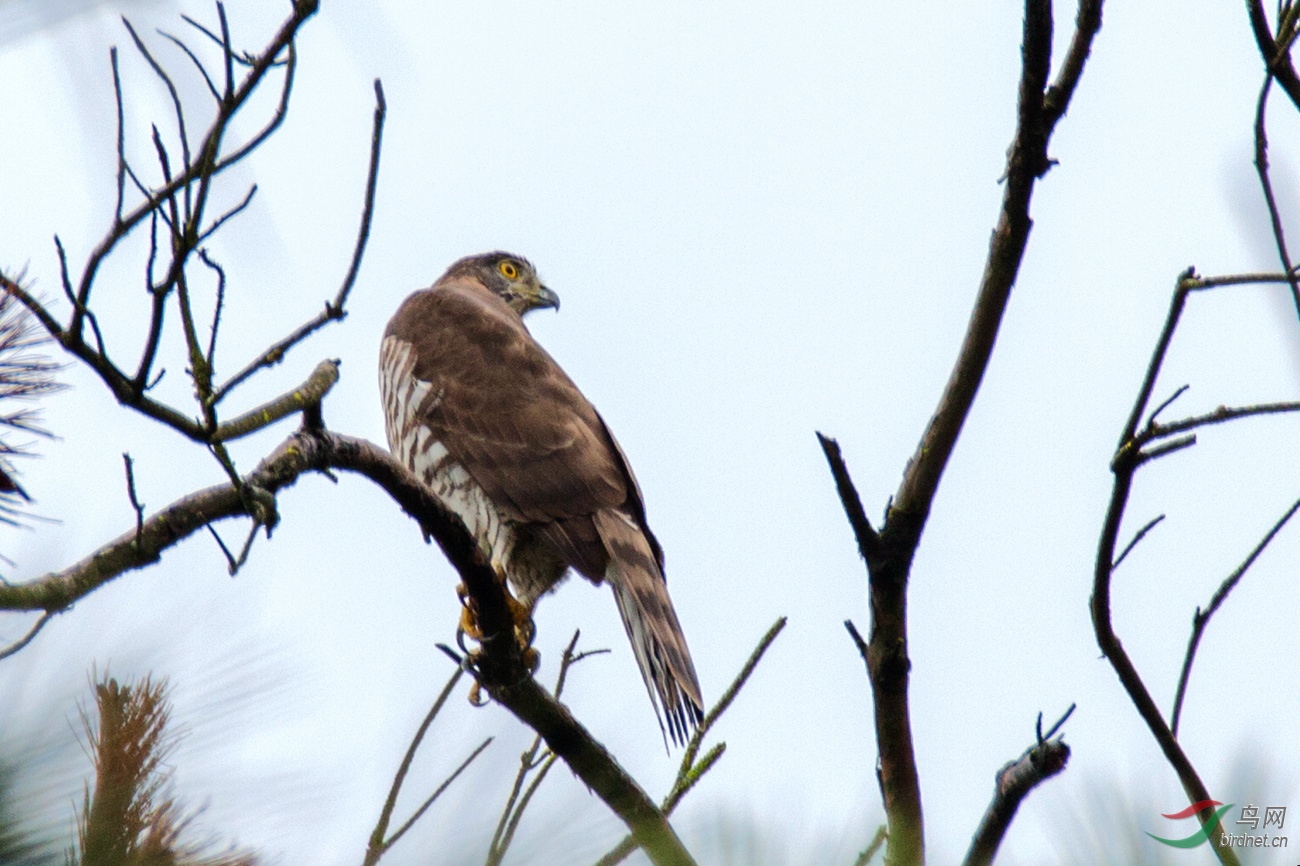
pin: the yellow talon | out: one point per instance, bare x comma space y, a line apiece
525, 630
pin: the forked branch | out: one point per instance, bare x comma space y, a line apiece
889, 552
692, 770
1135, 448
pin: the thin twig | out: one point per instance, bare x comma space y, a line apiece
227, 51
247, 547
1218, 416
1200, 620
1141, 534
217, 307
870, 851
242, 59
121, 143
228, 215
1195, 283
334, 310
859, 643
866, 537
231, 564
424, 807
377, 845
529, 761
1266, 184
691, 771
515, 816
1169, 401
1165, 449
31, 634
207, 79
171, 90
1176, 306
130, 491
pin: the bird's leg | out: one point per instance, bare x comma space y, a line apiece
521, 615
525, 631
467, 625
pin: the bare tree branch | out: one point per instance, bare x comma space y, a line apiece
519, 797
889, 553
1201, 619
1266, 185
691, 771
1277, 57
308, 394
206, 165
378, 845
1129, 457
334, 310
1041, 761
500, 667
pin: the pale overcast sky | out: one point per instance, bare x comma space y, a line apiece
764, 219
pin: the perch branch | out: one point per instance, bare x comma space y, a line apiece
500, 666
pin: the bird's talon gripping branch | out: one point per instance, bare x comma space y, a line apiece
468, 625
476, 696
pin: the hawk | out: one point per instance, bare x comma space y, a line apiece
483, 416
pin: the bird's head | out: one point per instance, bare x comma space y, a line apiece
513, 278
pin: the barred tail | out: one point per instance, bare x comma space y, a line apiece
651, 624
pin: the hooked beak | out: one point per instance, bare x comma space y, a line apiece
546, 298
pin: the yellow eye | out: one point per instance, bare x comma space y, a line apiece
508, 270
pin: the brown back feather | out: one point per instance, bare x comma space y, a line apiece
507, 413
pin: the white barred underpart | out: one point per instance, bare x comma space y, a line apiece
406, 399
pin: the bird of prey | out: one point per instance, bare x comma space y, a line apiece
483, 416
